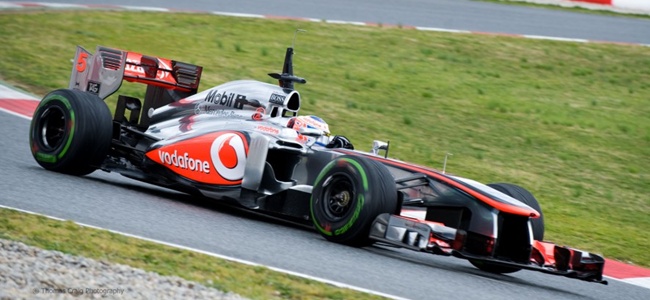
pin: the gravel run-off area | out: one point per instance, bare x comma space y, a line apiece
31, 273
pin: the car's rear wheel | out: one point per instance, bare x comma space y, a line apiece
71, 132
537, 224
349, 193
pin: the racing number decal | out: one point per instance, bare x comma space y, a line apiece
228, 154
82, 62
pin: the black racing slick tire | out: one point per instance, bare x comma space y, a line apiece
71, 132
348, 194
537, 224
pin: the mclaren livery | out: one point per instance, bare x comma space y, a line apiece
243, 142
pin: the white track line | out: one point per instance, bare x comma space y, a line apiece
239, 15
640, 281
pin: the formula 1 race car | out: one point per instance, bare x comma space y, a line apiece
243, 142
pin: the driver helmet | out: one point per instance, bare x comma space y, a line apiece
311, 122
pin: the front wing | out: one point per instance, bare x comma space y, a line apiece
435, 238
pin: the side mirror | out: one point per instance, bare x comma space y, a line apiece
379, 145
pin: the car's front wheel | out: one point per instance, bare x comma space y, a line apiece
349, 193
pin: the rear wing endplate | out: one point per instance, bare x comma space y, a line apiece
102, 73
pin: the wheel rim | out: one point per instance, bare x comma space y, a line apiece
52, 128
339, 196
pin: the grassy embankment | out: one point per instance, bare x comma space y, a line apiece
569, 121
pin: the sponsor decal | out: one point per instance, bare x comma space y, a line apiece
277, 99
227, 99
303, 139
217, 158
268, 129
93, 87
211, 110
184, 162
133, 66
228, 153
164, 65
259, 114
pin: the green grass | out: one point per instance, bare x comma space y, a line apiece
569, 121
254, 282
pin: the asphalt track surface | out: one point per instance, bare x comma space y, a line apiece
114, 202
448, 14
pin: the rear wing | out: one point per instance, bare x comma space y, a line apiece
102, 73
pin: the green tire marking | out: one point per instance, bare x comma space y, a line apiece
311, 202
325, 170
364, 179
354, 218
67, 104
360, 202
67, 144
45, 157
